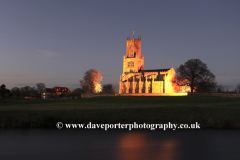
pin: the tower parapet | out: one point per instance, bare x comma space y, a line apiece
133, 61
133, 47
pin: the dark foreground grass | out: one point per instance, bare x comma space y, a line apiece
210, 112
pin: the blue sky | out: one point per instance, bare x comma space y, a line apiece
56, 41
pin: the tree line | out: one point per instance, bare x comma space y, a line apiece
18, 93
193, 73
107, 88
90, 79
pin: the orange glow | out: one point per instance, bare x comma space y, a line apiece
132, 146
154, 94
179, 88
141, 146
98, 87
170, 88
97, 77
137, 80
169, 150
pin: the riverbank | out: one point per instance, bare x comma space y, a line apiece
209, 112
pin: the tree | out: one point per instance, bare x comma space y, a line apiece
108, 88
220, 89
6, 95
3, 87
40, 87
238, 88
4, 90
195, 73
15, 91
90, 82
33, 91
25, 91
77, 91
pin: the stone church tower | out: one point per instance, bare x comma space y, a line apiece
133, 61
136, 80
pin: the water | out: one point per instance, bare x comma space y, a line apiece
119, 144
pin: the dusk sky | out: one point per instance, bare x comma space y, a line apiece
56, 41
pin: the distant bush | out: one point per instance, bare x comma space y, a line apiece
108, 88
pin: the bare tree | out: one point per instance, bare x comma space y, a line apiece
40, 87
90, 82
195, 73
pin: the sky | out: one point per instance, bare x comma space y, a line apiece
56, 41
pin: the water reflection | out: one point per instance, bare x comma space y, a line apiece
141, 146
119, 145
131, 146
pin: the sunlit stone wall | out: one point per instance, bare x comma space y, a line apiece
137, 80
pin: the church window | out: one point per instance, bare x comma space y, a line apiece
130, 64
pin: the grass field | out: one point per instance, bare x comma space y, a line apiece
210, 112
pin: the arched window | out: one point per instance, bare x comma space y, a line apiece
130, 64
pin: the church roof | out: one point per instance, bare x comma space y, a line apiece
156, 70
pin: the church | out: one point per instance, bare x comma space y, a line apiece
137, 80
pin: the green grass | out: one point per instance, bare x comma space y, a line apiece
210, 112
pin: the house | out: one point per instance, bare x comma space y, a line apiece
53, 92
61, 91
48, 93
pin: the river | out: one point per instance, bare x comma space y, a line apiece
40, 144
